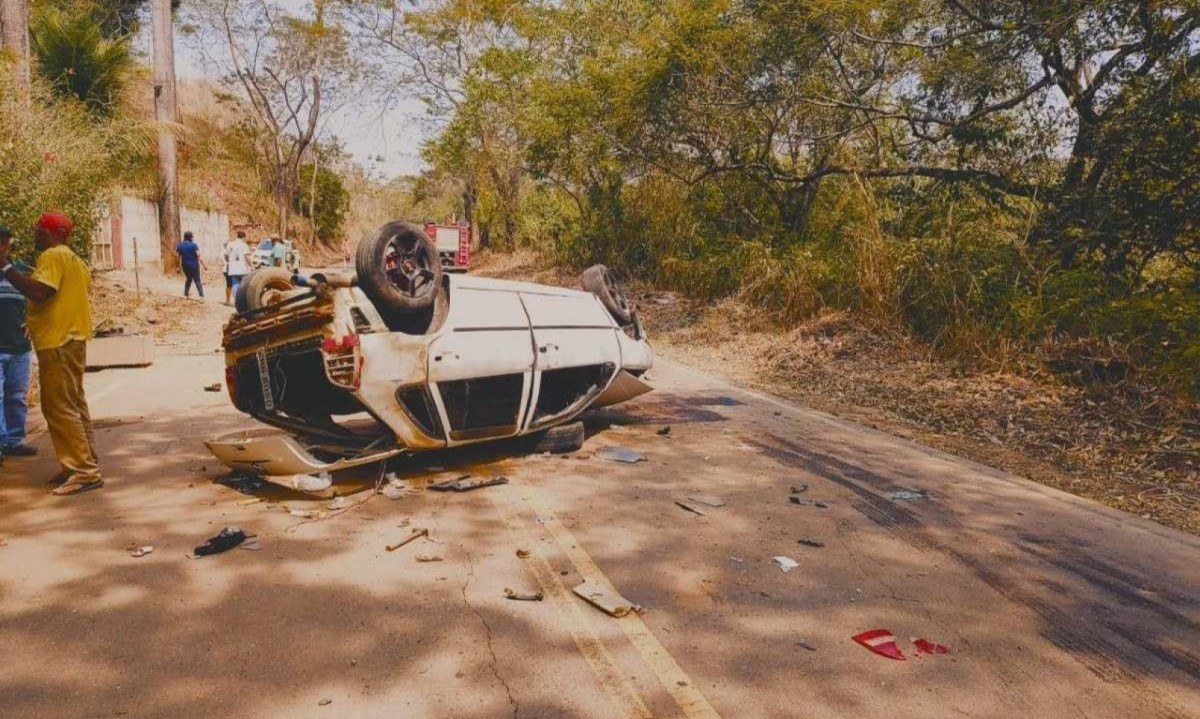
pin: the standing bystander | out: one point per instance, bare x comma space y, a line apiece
60, 324
16, 355
237, 263
190, 262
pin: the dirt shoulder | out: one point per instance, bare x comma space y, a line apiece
1126, 445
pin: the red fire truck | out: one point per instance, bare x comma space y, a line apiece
453, 244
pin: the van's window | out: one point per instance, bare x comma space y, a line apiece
483, 407
562, 388
418, 404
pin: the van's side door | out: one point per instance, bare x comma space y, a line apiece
576, 353
481, 368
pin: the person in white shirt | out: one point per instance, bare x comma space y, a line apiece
237, 263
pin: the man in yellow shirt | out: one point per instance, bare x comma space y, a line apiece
60, 324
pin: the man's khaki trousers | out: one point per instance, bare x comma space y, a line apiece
60, 374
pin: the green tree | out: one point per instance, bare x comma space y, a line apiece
326, 209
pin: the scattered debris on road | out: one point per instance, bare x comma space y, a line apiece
665, 431
306, 513
136, 551
466, 484
226, 539
909, 495
416, 534
810, 543
214, 387
242, 483
426, 558
337, 503
523, 597
249, 501
808, 502
313, 482
614, 453
691, 507
708, 500
786, 564
523, 553
324, 702
799, 488
881, 642
606, 600
924, 646
806, 646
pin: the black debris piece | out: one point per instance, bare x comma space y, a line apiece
465, 483
226, 539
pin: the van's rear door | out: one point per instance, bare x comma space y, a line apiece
481, 370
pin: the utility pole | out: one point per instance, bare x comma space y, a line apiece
165, 111
14, 36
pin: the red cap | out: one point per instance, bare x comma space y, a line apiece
55, 222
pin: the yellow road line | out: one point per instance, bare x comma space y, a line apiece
689, 699
621, 692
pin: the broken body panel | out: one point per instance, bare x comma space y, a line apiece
508, 359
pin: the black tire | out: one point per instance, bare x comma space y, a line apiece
560, 440
379, 262
254, 287
600, 281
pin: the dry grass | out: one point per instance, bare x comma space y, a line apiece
1126, 445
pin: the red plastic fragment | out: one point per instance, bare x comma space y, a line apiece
881, 642
924, 646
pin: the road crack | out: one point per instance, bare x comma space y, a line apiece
516, 708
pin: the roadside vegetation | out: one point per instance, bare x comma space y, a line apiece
1004, 182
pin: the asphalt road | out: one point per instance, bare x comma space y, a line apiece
1050, 606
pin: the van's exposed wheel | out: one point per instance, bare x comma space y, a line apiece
600, 281
261, 287
560, 440
399, 270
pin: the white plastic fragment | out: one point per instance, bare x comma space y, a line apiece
786, 564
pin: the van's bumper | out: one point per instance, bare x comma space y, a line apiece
273, 452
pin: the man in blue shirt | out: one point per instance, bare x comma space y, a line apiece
15, 360
189, 260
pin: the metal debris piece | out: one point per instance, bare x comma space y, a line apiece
306, 513
324, 702
523, 553
881, 642
707, 500
909, 495
689, 506
665, 431
428, 558
808, 502
924, 646
799, 488
214, 387
605, 599
786, 564
416, 534
810, 543
613, 453
135, 551
806, 645
523, 597
466, 484
337, 503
